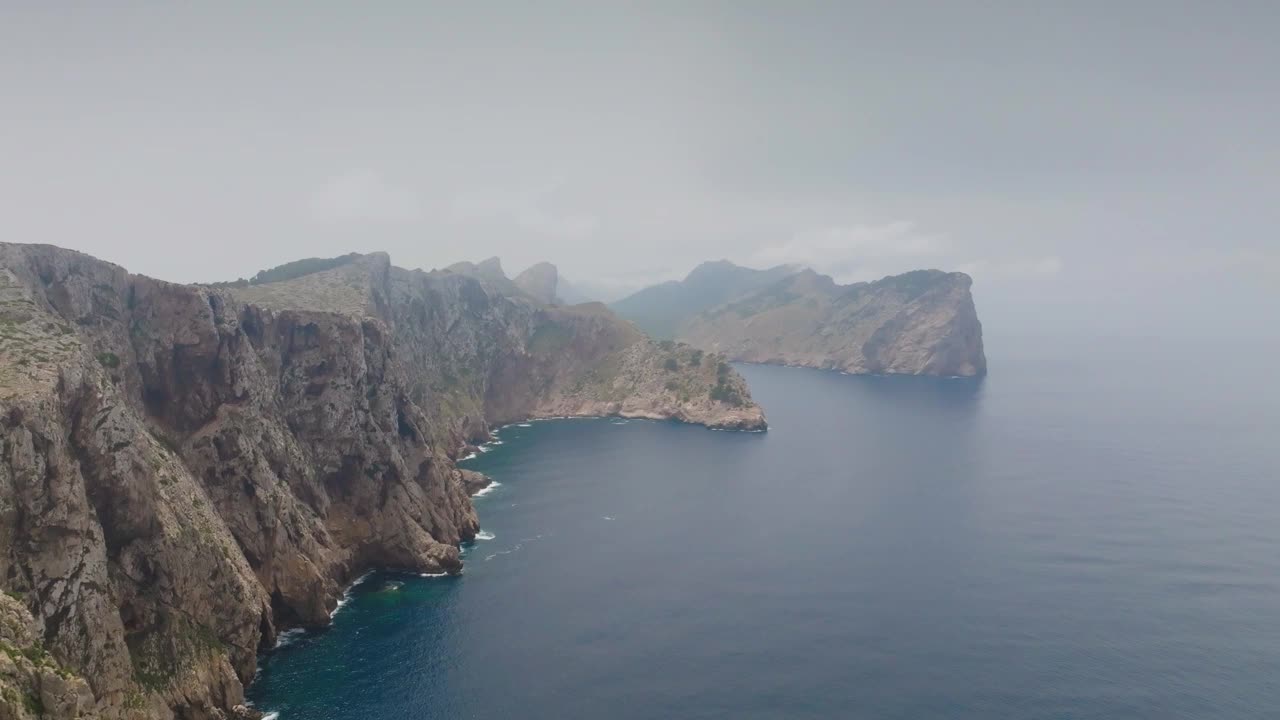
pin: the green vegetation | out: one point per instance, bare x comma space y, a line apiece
157, 656
135, 700
695, 359
292, 270
165, 441
774, 297
549, 338
109, 360
671, 365
724, 390
914, 283
36, 655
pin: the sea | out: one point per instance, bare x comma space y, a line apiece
1092, 531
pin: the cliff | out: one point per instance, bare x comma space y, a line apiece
185, 470
919, 323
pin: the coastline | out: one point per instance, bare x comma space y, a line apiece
289, 635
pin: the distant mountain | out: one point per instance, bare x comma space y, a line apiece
488, 272
539, 282
660, 310
571, 293
919, 323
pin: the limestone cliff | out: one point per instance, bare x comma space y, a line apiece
32, 684
919, 323
185, 471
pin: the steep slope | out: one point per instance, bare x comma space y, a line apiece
32, 684
919, 323
185, 471
660, 310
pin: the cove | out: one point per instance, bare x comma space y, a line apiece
1049, 542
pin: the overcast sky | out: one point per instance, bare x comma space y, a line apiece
1115, 163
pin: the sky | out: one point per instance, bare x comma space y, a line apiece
1111, 165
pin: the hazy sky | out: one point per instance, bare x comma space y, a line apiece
1109, 163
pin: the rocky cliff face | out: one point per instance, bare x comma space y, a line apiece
919, 323
32, 683
185, 471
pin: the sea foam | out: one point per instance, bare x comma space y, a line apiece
346, 595
487, 489
288, 637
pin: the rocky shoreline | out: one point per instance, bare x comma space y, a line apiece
187, 471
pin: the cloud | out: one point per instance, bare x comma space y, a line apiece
528, 209
363, 195
1016, 267
854, 251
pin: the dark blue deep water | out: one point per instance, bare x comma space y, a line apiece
1091, 532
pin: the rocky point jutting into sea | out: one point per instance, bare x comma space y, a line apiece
187, 470
918, 323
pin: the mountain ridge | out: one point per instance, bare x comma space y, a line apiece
660, 309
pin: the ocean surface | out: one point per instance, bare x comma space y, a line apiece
1093, 531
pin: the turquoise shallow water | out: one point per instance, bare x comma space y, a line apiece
1074, 537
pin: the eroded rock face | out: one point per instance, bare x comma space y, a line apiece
185, 471
32, 683
920, 323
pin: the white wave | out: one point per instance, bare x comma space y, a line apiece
431, 575
514, 548
271, 716
524, 425
607, 517
468, 457
288, 637
487, 489
485, 535
483, 448
346, 595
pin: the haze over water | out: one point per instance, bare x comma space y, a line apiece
1093, 531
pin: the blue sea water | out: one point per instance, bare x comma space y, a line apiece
1093, 531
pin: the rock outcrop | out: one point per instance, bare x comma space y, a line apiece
474, 481
185, 470
32, 683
